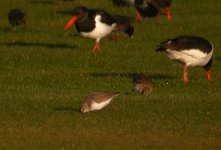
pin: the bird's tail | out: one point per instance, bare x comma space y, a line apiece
115, 94
124, 25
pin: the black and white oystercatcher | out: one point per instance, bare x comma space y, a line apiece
190, 51
152, 8
148, 8
92, 23
16, 17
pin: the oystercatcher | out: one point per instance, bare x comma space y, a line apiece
97, 101
190, 51
152, 8
92, 23
16, 17
148, 8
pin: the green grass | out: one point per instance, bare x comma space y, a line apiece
45, 73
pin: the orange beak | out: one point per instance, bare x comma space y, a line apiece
70, 22
167, 13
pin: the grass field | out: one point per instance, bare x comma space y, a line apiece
46, 72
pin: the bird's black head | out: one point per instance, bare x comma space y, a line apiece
16, 17
208, 65
80, 12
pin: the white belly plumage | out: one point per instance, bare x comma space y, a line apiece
98, 106
101, 30
193, 57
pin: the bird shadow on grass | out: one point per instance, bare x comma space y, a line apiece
218, 58
47, 45
156, 76
66, 109
49, 2
160, 76
63, 12
6, 29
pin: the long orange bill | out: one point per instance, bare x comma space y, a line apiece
208, 74
167, 12
70, 22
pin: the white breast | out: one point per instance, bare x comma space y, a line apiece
101, 30
98, 106
193, 57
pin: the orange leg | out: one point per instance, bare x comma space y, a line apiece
96, 47
138, 16
185, 78
208, 74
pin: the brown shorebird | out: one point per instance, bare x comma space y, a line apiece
142, 84
97, 101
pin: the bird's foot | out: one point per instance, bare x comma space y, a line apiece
185, 80
96, 48
208, 75
138, 16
